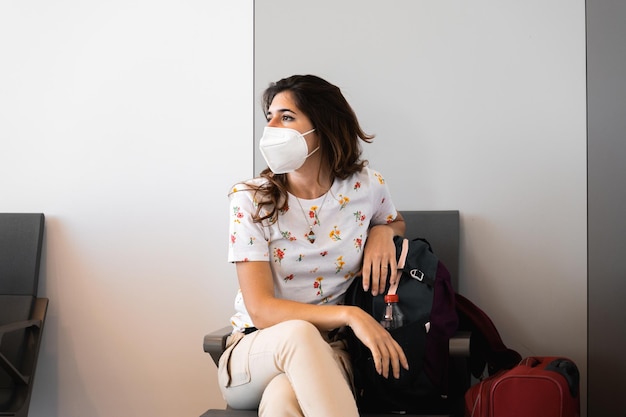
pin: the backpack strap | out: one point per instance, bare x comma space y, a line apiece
416, 259
402, 253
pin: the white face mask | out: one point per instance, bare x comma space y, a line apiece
284, 149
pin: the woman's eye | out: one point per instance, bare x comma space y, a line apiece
287, 118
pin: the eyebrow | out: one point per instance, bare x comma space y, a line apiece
282, 111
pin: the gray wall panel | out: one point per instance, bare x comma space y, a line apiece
606, 36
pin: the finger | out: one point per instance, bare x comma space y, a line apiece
365, 275
393, 267
385, 362
401, 361
377, 359
375, 280
393, 276
382, 282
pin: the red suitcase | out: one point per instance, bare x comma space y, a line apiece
537, 387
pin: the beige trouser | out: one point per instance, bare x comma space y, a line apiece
287, 370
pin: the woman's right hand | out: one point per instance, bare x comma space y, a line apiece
386, 352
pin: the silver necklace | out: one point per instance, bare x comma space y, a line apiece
311, 235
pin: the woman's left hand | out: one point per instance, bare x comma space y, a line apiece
379, 259
379, 256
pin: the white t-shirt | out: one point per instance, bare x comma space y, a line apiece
314, 271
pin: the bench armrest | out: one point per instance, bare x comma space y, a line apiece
215, 342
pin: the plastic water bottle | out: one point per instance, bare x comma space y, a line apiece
392, 317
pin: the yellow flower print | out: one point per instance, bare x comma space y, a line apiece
349, 275
343, 201
339, 263
389, 219
313, 215
334, 234
380, 178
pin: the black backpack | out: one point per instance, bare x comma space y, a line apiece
426, 296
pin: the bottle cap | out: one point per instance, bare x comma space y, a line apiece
392, 298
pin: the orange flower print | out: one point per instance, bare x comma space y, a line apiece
284, 209
288, 277
318, 286
334, 234
287, 235
279, 254
357, 186
349, 275
359, 217
237, 214
380, 178
339, 263
358, 243
389, 219
343, 201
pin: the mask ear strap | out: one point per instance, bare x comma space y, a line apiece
313, 151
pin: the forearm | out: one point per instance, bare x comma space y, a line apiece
395, 228
271, 310
265, 309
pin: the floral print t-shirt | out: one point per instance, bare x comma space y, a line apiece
310, 268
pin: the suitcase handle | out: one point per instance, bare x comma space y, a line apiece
569, 371
562, 366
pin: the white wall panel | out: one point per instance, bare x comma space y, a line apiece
126, 123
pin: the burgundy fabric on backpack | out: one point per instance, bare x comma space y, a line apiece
486, 345
444, 323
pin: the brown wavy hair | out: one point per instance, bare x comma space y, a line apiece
336, 125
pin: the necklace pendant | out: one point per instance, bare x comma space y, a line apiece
311, 236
